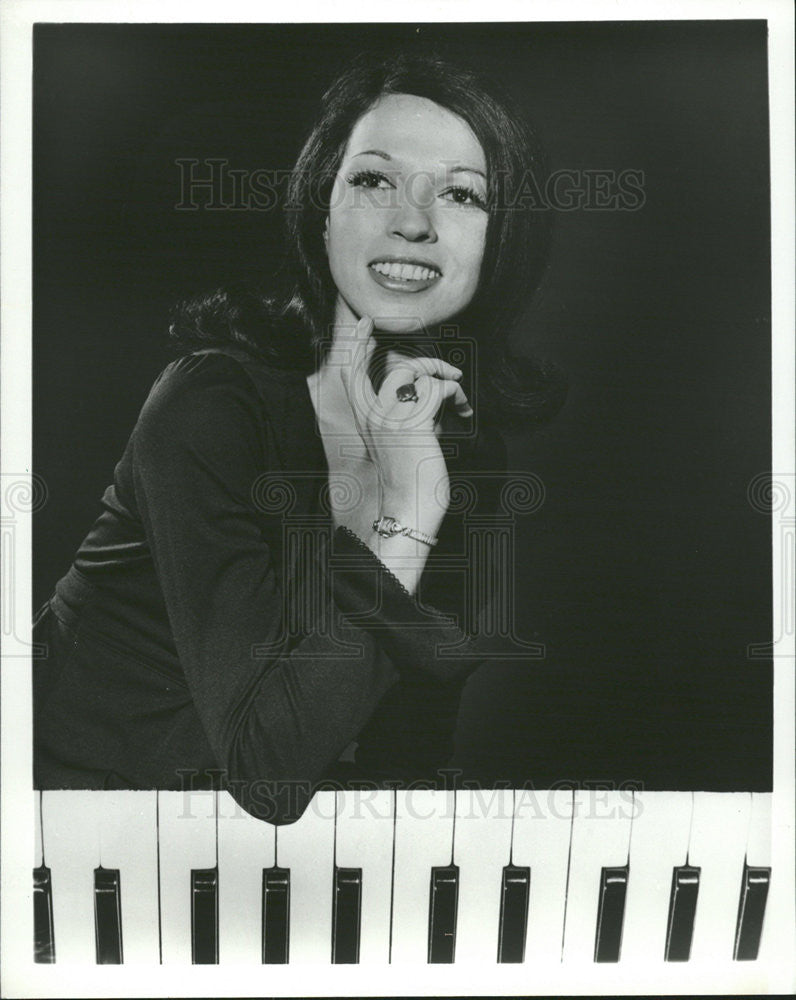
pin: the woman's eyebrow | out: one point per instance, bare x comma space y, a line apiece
374, 152
453, 170
467, 170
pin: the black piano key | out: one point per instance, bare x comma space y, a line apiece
204, 916
108, 916
514, 896
751, 910
43, 937
347, 903
610, 914
443, 902
682, 910
276, 915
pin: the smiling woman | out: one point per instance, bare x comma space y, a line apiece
407, 216
263, 603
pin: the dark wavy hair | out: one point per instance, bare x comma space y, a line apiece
287, 330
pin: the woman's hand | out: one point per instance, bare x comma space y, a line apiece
400, 435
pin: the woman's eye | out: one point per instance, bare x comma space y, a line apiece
462, 195
368, 179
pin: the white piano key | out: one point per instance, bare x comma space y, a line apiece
658, 844
758, 845
364, 839
306, 847
70, 835
600, 839
187, 839
245, 847
482, 848
128, 842
423, 840
718, 843
758, 855
541, 839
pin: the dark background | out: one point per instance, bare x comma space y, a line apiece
647, 572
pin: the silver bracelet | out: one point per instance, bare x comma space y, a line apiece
389, 526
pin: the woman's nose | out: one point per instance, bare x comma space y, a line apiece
412, 218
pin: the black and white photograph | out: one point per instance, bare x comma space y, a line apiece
398, 552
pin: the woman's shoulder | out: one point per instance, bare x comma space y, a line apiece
226, 365
212, 389
188, 379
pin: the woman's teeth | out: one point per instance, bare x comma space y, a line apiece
405, 272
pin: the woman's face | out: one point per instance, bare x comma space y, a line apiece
407, 220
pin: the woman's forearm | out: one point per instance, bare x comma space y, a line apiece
404, 557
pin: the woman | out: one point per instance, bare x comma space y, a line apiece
266, 585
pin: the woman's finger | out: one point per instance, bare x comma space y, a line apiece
436, 390
359, 347
366, 342
408, 369
419, 414
432, 366
402, 376
461, 402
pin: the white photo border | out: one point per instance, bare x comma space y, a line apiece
20, 976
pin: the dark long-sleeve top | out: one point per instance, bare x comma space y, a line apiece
215, 626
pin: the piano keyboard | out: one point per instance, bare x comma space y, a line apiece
467, 877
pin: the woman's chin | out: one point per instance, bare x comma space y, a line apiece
401, 325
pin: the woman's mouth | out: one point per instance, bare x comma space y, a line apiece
403, 276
